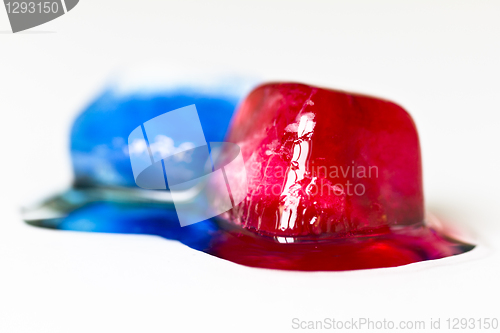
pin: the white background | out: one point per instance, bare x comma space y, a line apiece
439, 59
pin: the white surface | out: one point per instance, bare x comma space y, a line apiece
440, 60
